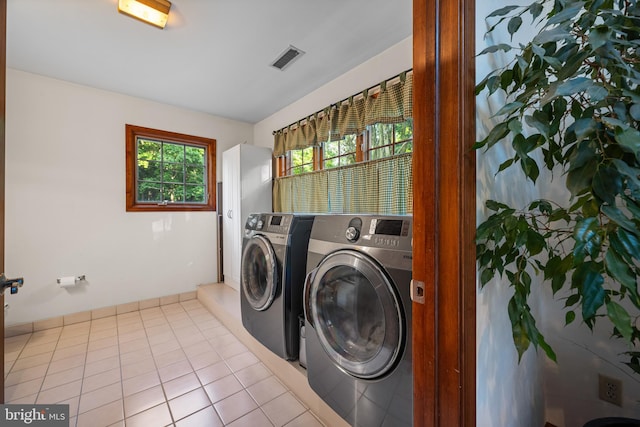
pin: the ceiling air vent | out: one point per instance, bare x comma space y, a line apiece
287, 57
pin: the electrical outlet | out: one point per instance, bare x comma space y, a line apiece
610, 390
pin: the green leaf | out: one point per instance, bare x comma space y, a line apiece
580, 179
530, 168
504, 165
599, 36
572, 300
619, 218
629, 138
597, 93
569, 317
628, 241
552, 35
558, 282
586, 237
502, 11
572, 65
553, 267
583, 129
496, 48
539, 123
592, 291
535, 242
520, 339
585, 155
538, 50
514, 25
613, 123
495, 206
574, 86
553, 62
515, 126
486, 276
634, 111
620, 271
559, 214
523, 145
535, 9
544, 207
496, 134
607, 184
566, 14
591, 207
629, 172
620, 318
547, 348
556, 270
509, 108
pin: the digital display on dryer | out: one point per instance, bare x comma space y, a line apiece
276, 220
388, 227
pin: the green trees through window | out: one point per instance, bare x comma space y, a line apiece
378, 141
169, 171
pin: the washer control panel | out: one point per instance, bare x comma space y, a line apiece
353, 230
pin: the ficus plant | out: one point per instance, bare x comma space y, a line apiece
572, 106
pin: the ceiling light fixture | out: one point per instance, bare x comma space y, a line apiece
154, 12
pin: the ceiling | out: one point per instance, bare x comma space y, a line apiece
213, 56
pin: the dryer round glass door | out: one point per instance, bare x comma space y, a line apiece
356, 313
259, 273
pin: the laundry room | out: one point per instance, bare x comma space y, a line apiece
212, 223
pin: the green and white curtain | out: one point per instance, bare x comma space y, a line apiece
382, 186
392, 104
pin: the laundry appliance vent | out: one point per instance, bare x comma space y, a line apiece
287, 57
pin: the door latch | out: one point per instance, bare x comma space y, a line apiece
417, 291
13, 284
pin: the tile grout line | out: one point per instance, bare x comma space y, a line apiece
185, 308
166, 400
236, 377
192, 368
124, 415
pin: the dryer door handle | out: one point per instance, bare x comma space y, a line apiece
307, 296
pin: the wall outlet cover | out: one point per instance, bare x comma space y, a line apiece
610, 389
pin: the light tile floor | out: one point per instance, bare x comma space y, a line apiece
173, 365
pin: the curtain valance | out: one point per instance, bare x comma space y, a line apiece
392, 103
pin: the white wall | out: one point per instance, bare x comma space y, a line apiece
508, 393
536, 390
65, 200
389, 63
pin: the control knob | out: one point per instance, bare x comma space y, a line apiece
352, 234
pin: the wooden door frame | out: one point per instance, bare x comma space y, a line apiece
3, 74
444, 328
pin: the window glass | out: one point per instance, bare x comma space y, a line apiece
386, 140
301, 161
171, 171
340, 153
165, 173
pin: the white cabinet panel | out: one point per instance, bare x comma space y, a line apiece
246, 188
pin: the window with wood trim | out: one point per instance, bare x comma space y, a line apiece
300, 161
339, 153
168, 171
387, 140
376, 142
